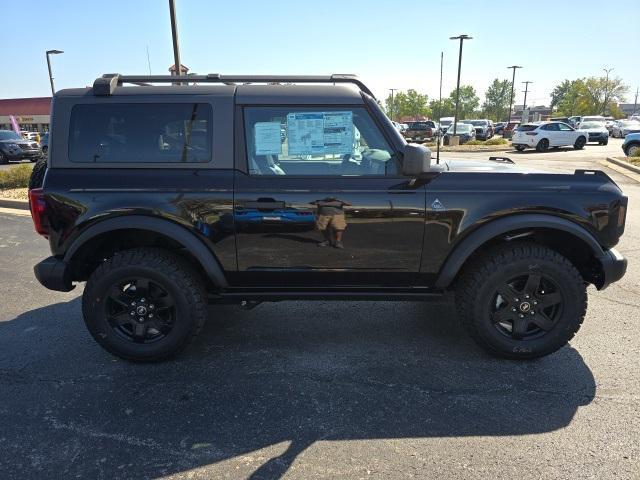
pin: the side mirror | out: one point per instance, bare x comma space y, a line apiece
416, 161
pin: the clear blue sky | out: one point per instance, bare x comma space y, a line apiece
390, 44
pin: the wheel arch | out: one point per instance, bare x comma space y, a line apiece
120, 233
564, 236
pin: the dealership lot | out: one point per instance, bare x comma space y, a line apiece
324, 389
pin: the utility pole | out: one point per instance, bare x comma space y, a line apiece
526, 90
52, 52
635, 103
392, 109
513, 82
439, 133
462, 38
606, 91
174, 35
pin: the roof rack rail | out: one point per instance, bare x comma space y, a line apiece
107, 84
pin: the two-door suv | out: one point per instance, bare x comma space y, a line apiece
245, 189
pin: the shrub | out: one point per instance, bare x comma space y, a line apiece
496, 141
15, 177
474, 142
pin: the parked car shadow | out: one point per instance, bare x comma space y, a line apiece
296, 372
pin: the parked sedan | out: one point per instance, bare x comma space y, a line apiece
625, 127
631, 145
499, 127
543, 135
596, 131
465, 131
484, 128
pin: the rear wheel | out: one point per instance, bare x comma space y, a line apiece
580, 143
633, 150
521, 301
543, 145
3, 159
144, 304
37, 174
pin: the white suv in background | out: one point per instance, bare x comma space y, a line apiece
543, 135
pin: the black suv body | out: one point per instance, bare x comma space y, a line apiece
166, 198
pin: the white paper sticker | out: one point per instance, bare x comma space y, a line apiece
268, 138
319, 133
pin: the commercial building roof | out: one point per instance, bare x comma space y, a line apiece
25, 106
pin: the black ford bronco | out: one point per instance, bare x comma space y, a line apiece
245, 189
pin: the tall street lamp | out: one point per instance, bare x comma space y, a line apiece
526, 90
393, 107
462, 38
606, 91
51, 52
513, 82
174, 37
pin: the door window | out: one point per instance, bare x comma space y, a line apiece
316, 141
564, 127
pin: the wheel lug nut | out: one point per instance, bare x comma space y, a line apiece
521, 316
152, 306
535, 303
151, 315
532, 312
132, 313
513, 309
141, 319
142, 299
133, 304
526, 296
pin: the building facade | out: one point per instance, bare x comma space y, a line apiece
32, 114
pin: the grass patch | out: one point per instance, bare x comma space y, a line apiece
497, 141
15, 177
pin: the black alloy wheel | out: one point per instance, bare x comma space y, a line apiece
140, 310
580, 143
526, 307
543, 145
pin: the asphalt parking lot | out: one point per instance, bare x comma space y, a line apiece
306, 390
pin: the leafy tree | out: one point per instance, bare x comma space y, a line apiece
469, 101
602, 92
588, 96
409, 104
496, 100
447, 109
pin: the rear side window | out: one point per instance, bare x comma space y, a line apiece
527, 128
140, 133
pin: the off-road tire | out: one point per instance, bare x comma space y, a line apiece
543, 145
164, 268
580, 143
37, 174
479, 280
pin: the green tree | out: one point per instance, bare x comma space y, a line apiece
496, 100
469, 101
446, 109
408, 104
588, 96
602, 93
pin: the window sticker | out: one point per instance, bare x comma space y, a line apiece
320, 133
269, 137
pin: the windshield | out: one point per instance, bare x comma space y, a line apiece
630, 124
9, 135
477, 123
445, 123
584, 125
462, 128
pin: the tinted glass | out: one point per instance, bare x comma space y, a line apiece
529, 128
145, 133
563, 127
9, 135
316, 141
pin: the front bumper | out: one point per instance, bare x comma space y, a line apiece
614, 266
598, 137
15, 155
54, 274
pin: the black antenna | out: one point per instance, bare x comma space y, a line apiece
439, 112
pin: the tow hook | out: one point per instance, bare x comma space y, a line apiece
249, 304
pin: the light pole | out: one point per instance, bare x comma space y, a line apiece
462, 38
606, 91
391, 110
51, 52
174, 36
513, 81
635, 103
526, 90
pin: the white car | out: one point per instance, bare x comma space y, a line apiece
543, 135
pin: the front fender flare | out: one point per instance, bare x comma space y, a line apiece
180, 234
493, 229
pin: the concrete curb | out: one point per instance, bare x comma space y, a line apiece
623, 164
496, 149
14, 203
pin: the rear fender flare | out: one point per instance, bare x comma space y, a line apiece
180, 234
463, 251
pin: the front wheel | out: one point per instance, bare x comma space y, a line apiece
3, 159
633, 150
521, 301
144, 304
580, 143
